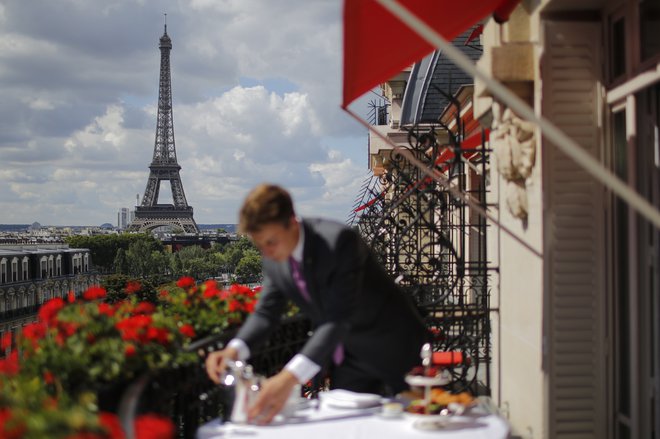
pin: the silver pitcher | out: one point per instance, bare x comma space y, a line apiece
241, 389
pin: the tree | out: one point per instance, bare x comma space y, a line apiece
120, 263
146, 259
196, 262
249, 267
104, 248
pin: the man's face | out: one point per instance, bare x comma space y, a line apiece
276, 241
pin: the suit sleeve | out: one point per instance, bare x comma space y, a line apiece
266, 316
341, 289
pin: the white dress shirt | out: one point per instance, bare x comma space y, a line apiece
300, 366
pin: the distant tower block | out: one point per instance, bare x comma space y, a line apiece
164, 167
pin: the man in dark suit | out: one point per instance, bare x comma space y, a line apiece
365, 328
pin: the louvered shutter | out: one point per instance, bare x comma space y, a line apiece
573, 232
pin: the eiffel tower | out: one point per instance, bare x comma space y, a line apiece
164, 167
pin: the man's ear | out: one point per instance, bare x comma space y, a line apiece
292, 221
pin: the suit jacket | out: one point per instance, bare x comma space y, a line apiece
353, 301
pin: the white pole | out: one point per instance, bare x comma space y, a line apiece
567, 145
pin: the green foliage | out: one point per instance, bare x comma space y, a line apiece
34, 409
104, 248
121, 287
249, 267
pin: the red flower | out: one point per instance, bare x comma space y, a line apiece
9, 366
129, 351
234, 305
133, 328
91, 338
10, 428
211, 285
185, 282
110, 422
164, 293
210, 293
154, 427
159, 335
240, 289
34, 331
94, 293
71, 297
106, 309
132, 286
144, 308
249, 306
48, 311
5, 342
49, 378
67, 329
187, 330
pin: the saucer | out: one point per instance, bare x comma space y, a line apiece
431, 422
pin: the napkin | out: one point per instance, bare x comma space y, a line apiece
350, 400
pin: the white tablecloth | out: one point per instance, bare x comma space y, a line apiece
333, 423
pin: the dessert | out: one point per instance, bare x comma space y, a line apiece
440, 399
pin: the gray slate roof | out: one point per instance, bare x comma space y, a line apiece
422, 100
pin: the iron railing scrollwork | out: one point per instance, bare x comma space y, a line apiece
187, 395
434, 246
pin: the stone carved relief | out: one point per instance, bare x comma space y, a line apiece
513, 142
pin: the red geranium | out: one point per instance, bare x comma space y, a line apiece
133, 328
159, 335
234, 305
9, 366
144, 308
67, 329
185, 282
94, 293
10, 428
106, 309
129, 351
48, 311
154, 427
34, 331
110, 422
71, 297
49, 378
133, 286
187, 330
5, 342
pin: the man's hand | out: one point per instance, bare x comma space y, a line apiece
216, 362
272, 397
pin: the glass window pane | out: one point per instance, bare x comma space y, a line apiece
618, 44
649, 17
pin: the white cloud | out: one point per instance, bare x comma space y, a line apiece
342, 178
78, 114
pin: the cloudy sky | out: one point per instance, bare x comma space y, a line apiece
256, 88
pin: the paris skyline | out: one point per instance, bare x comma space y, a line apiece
256, 89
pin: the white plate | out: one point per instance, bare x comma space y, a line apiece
420, 381
346, 399
431, 422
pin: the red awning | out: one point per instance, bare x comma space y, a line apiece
467, 146
377, 45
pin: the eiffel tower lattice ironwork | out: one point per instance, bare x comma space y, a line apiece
164, 166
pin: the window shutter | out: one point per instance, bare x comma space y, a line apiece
574, 233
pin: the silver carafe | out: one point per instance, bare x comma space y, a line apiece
241, 389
